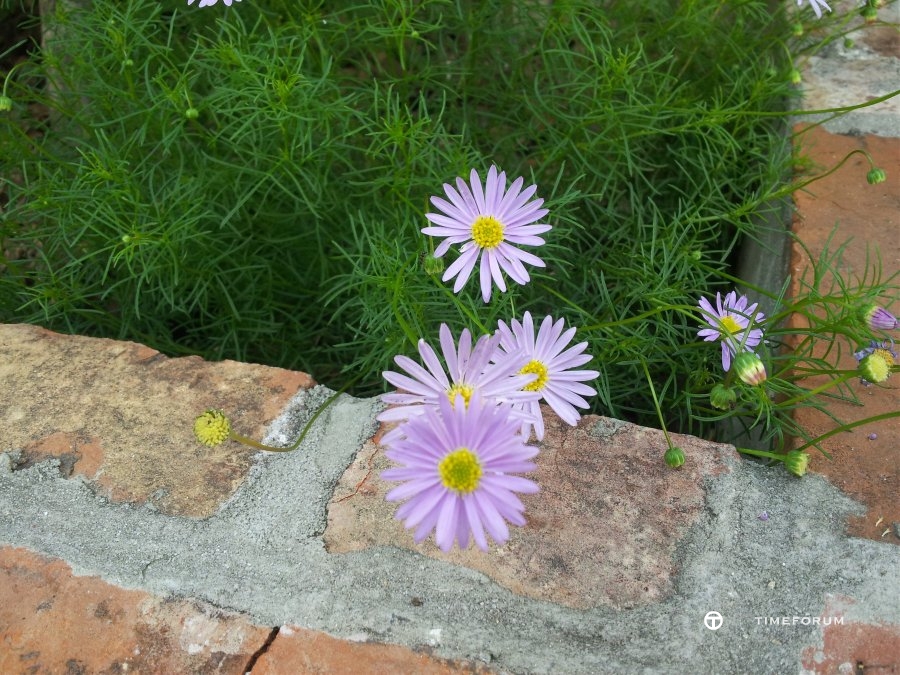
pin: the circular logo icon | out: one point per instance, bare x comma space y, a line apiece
712, 620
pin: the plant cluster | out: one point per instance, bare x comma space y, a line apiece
252, 181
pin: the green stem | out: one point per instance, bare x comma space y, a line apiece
851, 425
659, 414
268, 448
256, 444
818, 390
761, 453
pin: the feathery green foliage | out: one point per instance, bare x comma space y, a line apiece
250, 182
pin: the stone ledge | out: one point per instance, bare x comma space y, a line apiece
619, 562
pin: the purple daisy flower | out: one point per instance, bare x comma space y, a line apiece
490, 223
471, 371
817, 6
456, 462
729, 322
559, 386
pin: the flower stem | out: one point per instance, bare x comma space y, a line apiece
659, 414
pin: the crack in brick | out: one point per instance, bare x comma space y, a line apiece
255, 656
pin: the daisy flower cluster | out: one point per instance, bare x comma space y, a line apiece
465, 417
465, 422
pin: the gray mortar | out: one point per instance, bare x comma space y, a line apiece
861, 70
263, 554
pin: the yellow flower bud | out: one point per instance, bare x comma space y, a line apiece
212, 428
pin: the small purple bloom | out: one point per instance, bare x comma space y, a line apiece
763, 516
490, 222
470, 370
873, 436
878, 318
730, 322
547, 357
456, 465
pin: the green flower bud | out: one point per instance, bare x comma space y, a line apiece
876, 176
722, 397
192, 113
870, 14
849, 43
796, 462
674, 457
797, 29
5, 104
795, 76
433, 266
749, 367
876, 367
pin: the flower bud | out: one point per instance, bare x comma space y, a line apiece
433, 266
797, 29
192, 113
876, 367
674, 457
212, 428
870, 14
796, 462
876, 176
722, 397
849, 43
878, 318
749, 367
5, 104
795, 76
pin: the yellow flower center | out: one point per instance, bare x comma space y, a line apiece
463, 390
460, 471
487, 232
886, 355
535, 368
212, 428
729, 325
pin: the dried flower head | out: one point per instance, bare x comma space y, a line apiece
876, 361
212, 428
